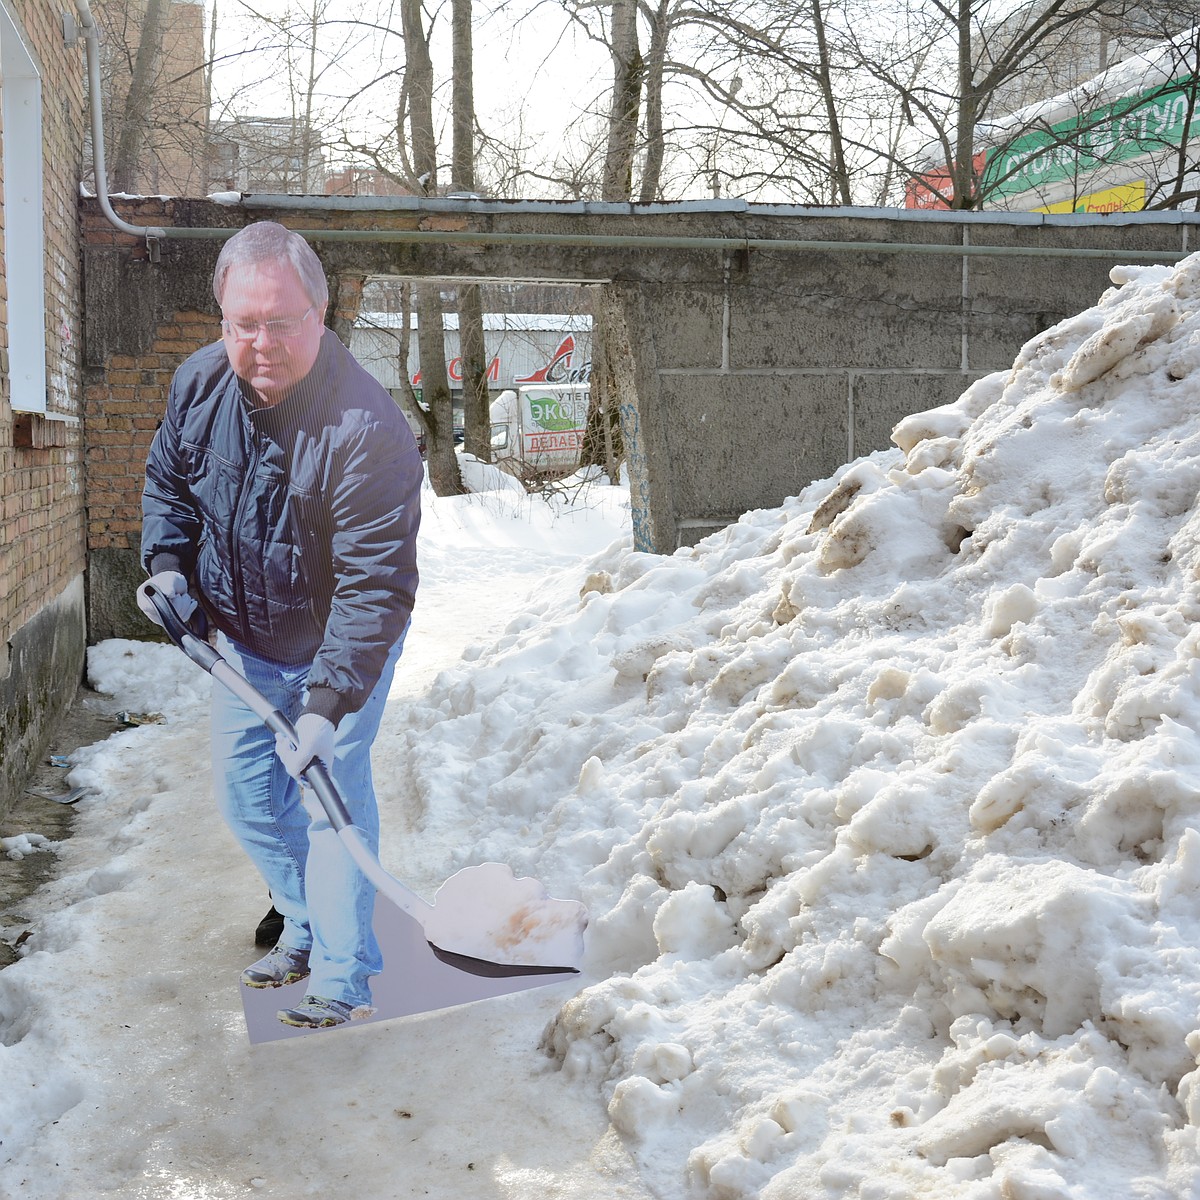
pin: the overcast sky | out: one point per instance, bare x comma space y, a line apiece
536, 73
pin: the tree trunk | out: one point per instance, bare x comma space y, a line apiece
419, 85
628, 71
602, 445
472, 346
962, 170
435, 386
654, 70
628, 77
403, 359
472, 349
206, 166
310, 88
462, 83
135, 113
444, 473
837, 152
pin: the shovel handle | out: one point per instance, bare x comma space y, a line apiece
203, 655
317, 777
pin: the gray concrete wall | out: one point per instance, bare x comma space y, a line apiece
797, 362
752, 349
40, 670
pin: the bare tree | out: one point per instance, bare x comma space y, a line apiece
628, 75
472, 349
1177, 181
136, 109
315, 49
438, 404
783, 97
988, 56
824, 80
154, 94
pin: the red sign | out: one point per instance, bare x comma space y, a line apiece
539, 443
930, 188
555, 371
454, 369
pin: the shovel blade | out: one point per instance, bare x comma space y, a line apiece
487, 913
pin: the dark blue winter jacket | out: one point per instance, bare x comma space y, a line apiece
295, 525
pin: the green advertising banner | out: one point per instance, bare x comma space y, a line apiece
1152, 120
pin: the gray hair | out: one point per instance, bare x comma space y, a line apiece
268, 241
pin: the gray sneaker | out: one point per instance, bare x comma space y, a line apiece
283, 965
315, 1012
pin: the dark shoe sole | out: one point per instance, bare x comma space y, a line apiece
325, 1014
300, 1021
267, 982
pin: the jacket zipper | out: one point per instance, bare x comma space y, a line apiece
235, 564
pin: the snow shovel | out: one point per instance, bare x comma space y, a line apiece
483, 919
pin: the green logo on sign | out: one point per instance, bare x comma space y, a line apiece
558, 412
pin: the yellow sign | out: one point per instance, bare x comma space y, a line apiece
1127, 197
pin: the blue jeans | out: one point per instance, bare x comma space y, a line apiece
326, 902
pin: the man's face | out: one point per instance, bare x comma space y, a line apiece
271, 361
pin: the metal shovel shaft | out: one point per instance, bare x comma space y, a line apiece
315, 774
556, 925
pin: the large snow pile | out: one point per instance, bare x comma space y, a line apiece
887, 801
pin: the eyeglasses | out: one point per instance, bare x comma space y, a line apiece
281, 327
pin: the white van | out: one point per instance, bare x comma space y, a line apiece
538, 428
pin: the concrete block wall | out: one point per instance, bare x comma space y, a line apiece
801, 361
42, 545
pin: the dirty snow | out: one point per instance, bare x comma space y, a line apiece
886, 805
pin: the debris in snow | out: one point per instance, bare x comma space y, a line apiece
21, 844
131, 720
70, 797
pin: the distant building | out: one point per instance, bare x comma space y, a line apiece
278, 155
363, 181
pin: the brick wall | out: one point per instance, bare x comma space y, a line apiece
125, 392
121, 419
42, 545
41, 483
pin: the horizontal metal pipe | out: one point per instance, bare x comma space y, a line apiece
683, 242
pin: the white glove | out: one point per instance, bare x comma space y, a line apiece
175, 588
314, 740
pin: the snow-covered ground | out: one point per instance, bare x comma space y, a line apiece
885, 803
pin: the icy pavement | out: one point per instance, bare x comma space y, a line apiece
127, 1071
